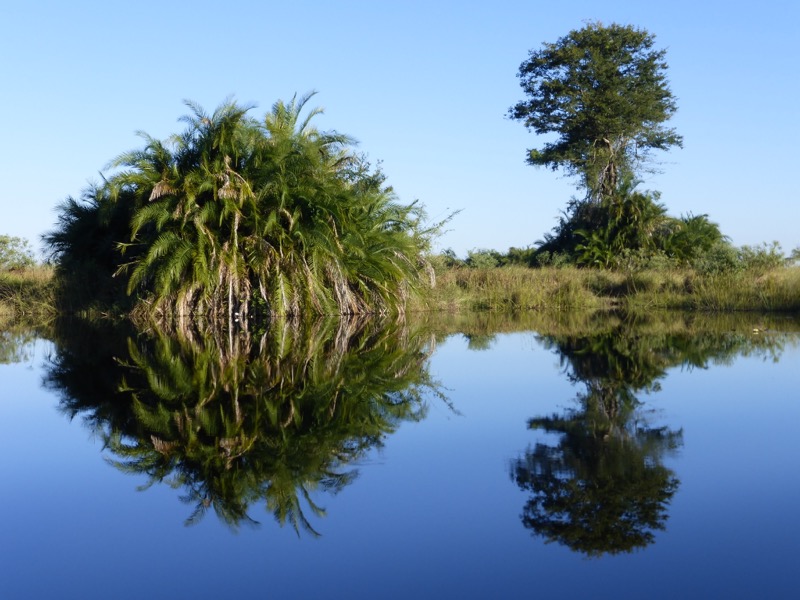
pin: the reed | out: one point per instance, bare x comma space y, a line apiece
511, 289
777, 290
515, 288
27, 293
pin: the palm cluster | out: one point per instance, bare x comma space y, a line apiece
237, 215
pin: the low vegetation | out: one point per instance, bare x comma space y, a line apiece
28, 293
723, 279
746, 279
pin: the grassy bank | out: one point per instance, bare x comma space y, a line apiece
512, 288
31, 294
28, 293
522, 288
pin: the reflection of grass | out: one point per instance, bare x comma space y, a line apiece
15, 343
597, 322
520, 288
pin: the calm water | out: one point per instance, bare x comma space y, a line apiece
465, 460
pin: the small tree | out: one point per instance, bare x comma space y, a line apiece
15, 253
690, 237
603, 91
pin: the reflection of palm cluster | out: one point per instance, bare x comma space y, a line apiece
602, 488
272, 424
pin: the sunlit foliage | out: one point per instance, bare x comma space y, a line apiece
235, 216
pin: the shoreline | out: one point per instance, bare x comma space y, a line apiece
31, 294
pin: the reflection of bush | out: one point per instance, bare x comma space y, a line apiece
15, 344
233, 422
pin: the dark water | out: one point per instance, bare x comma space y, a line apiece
574, 457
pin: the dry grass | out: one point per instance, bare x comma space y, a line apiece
28, 293
519, 288
511, 289
777, 290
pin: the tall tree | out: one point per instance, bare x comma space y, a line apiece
602, 90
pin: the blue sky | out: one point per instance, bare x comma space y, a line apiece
423, 85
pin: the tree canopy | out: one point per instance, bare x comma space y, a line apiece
236, 214
601, 95
603, 92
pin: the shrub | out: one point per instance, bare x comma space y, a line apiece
483, 259
762, 258
545, 258
722, 257
640, 260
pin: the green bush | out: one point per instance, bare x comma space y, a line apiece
483, 259
239, 216
545, 258
762, 258
641, 260
722, 257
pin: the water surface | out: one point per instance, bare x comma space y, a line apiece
579, 456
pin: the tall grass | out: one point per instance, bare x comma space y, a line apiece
519, 288
509, 289
777, 290
27, 293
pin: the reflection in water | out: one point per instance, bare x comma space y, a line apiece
602, 486
238, 421
234, 421
16, 345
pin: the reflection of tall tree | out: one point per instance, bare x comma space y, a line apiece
234, 423
602, 487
